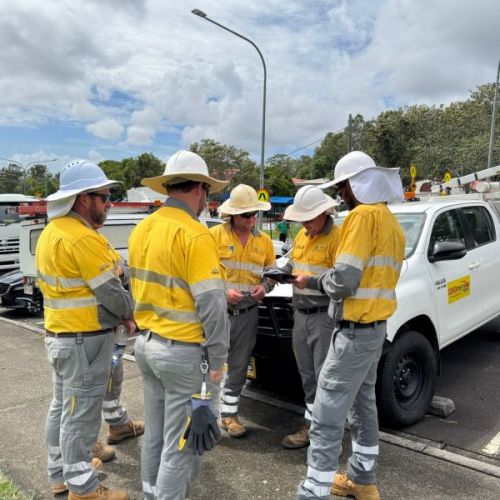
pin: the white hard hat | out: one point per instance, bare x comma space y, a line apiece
243, 199
353, 164
181, 167
80, 176
309, 202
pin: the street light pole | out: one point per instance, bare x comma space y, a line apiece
493, 120
202, 14
24, 168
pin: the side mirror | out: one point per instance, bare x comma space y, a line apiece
447, 250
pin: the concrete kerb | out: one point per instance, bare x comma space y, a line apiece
402, 442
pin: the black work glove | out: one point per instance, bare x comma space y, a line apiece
203, 431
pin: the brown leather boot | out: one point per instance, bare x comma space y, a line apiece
343, 486
298, 439
118, 433
60, 488
102, 493
233, 426
103, 452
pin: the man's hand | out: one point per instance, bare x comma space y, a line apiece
258, 293
215, 375
130, 326
301, 281
234, 297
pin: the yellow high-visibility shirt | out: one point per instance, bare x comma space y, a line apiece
372, 241
172, 258
243, 265
72, 259
312, 256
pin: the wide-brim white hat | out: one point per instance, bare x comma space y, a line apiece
181, 167
243, 199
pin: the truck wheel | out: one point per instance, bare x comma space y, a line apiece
406, 380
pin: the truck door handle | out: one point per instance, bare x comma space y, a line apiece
474, 265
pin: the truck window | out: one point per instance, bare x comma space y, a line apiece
480, 225
411, 224
447, 227
8, 213
34, 235
117, 234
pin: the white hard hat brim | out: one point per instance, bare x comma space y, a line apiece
291, 213
158, 183
67, 193
346, 177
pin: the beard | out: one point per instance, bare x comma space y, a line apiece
97, 217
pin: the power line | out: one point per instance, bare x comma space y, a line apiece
314, 142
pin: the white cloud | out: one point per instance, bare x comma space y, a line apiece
107, 128
132, 72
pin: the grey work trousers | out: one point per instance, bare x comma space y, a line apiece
346, 389
80, 374
172, 374
243, 335
311, 337
113, 411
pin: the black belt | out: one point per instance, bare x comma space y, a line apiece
152, 335
237, 312
313, 310
75, 335
352, 325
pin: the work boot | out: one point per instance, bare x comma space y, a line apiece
103, 452
102, 493
118, 433
60, 488
233, 426
343, 487
299, 439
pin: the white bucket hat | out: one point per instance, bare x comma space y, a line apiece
78, 176
243, 199
181, 167
309, 202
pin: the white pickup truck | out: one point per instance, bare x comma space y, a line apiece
449, 286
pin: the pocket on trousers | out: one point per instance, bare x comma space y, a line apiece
57, 356
342, 386
366, 344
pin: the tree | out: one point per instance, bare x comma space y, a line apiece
11, 179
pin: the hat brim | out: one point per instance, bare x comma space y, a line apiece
227, 209
346, 177
158, 183
291, 213
67, 193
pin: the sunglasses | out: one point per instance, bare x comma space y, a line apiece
248, 215
105, 198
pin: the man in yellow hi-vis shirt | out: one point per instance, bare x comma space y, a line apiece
313, 253
361, 287
180, 307
245, 252
80, 276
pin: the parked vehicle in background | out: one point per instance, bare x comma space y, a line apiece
9, 230
448, 287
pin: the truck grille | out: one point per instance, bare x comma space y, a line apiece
4, 288
276, 316
9, 245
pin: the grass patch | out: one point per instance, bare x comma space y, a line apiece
8, 491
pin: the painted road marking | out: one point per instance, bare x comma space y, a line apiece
493, 447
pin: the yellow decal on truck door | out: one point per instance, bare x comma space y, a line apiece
458, 289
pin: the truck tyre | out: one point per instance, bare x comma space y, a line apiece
406, 380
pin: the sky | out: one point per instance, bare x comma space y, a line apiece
112, 79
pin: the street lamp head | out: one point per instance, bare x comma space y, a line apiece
198, 12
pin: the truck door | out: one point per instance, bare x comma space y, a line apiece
483, 248
457, 283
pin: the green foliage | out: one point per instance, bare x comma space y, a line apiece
8, 491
